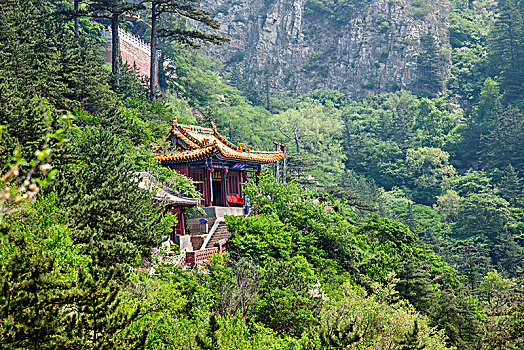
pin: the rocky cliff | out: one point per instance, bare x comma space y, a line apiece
300, 45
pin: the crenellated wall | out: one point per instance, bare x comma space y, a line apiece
134, 51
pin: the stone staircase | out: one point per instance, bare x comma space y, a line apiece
216, 243
221, 233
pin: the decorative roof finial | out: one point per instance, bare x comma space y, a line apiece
213, 126
175, 120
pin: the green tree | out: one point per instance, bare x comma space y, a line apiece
314, 132
100, 191
482, 215
428, 167
210, 342
28, 49
102, 319
31, 297
512, 187
507, 49
480, 116
434, 123
338, 336
414, 282
468, 39
52, 296
452, 311
430, 65
503, 143
113, 10
259, 237
179, 33
508, 329
375, 323
507, 254
289, 303
411, 341
472, 182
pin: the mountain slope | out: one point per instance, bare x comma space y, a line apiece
355, 46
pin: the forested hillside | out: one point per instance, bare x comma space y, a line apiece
421, 247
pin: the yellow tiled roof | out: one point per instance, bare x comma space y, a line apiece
186, 155
204, 141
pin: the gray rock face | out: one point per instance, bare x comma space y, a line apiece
286, 47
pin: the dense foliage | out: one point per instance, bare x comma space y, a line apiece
420, 247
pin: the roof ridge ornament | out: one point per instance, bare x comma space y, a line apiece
175, 121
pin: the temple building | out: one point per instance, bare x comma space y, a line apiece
218, 166
219, 169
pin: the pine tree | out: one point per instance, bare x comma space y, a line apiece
411, 341
100, 321
210, 341
25, 119
337, 336
48, 299
430, 65
511, 187
39, 311
503, 142
509, 330
113, 10
42, 59
481, 118
82, 74
28, 48
454, 313
29, 70
31, 298
507, 49
508, 255
179, 33
414, 282
100, 190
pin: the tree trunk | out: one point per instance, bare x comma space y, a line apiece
297, 142
76, 16
154, 60
115, 42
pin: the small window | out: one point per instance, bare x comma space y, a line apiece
198, 176
232, 184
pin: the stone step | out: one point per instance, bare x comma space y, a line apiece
220, 233
219, 237
212, 242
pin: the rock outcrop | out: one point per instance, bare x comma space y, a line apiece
291, 46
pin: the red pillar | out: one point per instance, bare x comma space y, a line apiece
182, 221
181, 224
